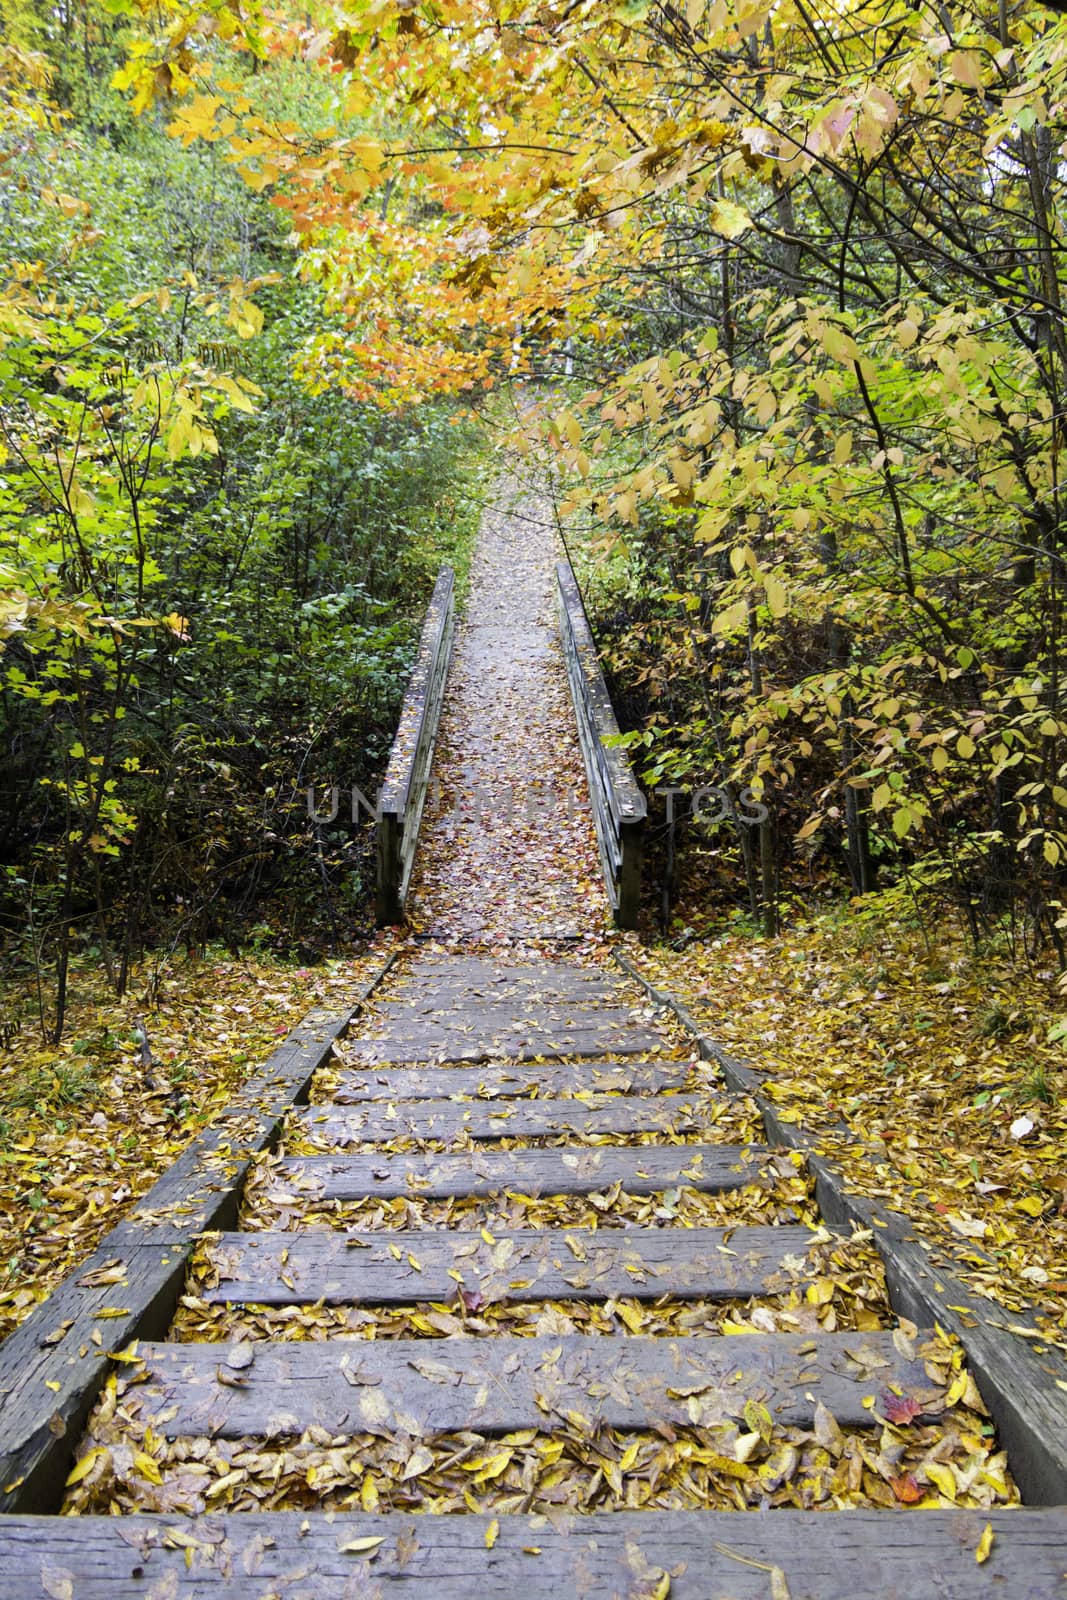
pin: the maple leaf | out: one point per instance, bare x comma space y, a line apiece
899, 1409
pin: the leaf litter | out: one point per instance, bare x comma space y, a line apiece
948, 1070
87, 1127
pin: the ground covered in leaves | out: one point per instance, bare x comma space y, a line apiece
579, 1466
88, 1126
948, 1069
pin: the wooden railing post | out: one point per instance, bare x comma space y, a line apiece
407, 776
619, 807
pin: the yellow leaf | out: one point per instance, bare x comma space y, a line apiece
356, 1547
941, 1476
985, 1544
733, 617
147, 1467
492, 1533
967, 68
776, 596
88, 1461
729, 220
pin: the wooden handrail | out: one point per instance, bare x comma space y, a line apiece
619, 807
407, 776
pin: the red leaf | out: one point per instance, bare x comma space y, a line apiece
906, 1489
899, 1408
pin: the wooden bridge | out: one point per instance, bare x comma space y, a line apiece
501, 1284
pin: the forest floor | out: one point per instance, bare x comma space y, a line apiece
939, 1063
85, 1128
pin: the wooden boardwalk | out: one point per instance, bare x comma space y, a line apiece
383, 1308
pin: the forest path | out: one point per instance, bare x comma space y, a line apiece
507, 847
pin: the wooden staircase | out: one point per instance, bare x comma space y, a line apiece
381, 1316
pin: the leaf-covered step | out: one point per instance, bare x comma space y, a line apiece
275, 1268
519, 1039
530, 1119
642, 1169
432, 970
509, 1083
690, 1555
420, 1388
441, 983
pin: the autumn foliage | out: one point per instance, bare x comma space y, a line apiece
801, 266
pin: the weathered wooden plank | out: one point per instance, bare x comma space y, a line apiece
53, 1365
508, 1011
619, 807
643, 1169
515, 1119
449, 1385
508, 1083
529, 1044
826, 1555
395, 1268
403, 793
461, 968
547, 981
65, 1342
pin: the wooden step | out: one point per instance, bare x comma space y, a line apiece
646, 1169
436, 971
503, 1010
629, 1555
530, 1119
490, 1040
547, 983
397, 1268
508, 1083
422, 1387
